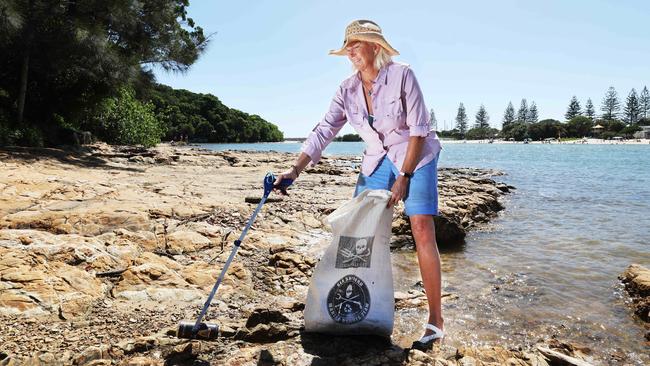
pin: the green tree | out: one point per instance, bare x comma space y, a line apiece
611, 105
517, 131
589, 110
612, 125
629, 130
190, 114
545, 129
481, 133
632, 108
644, 102
350, 137
482, 118
433, 122
126, 121
579, 126
461, 120
533, 114
508, 116
63, 58
574, 109
522, 114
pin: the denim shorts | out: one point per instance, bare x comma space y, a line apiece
422, 194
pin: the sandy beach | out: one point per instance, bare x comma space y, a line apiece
103, 251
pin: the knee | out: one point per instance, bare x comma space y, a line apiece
423, 227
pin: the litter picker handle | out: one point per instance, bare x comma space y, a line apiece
269, 181
269, 184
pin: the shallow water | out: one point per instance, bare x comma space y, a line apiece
548, 265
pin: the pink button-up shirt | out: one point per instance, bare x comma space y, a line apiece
399, 111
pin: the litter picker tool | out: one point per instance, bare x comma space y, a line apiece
197, 329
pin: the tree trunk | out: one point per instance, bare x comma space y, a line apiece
24, 70
22, 92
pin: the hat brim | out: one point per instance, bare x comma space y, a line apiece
368, 37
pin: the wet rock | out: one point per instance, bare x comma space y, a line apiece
636, 279
558, 358
489, 355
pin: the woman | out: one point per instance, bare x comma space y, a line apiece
384, 104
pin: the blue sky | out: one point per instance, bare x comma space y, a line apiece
270, 57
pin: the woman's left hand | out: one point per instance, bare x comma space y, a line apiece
399, 189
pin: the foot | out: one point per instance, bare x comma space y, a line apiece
432, 335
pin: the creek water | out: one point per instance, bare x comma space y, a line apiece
548, 265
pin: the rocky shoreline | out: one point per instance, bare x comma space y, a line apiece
103, 251
636, 280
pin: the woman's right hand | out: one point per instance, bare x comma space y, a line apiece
291, 174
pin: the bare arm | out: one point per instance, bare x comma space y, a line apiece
413, 151
298, 166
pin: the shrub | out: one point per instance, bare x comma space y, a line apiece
350, 137
124, 120
579, 126
517, 131
607, 135
479, 133
545, 129
26, 136
628, 131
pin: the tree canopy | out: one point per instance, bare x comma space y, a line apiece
203, 118
63, 57
63, 62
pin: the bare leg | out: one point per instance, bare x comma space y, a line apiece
424, 233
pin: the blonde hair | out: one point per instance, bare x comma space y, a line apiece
381, 58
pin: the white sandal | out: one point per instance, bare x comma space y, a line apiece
428, 340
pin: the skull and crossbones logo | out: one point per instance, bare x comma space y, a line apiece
354, 252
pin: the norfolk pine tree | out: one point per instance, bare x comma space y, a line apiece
573, 110
508, 116
461, 120
522, 114
482, 118
611, 105
433, 122
644, 102
632, 107
533, 114
589, 110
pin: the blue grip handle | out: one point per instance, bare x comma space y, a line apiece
269, 181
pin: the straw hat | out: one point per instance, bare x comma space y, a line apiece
364, 30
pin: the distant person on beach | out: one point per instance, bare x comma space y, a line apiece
383, 102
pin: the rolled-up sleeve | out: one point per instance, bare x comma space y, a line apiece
417, 115
326, 129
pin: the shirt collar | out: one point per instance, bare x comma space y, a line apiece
355, 80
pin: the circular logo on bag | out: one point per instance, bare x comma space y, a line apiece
348, 302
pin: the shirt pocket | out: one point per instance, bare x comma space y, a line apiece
355, 116
393, 107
